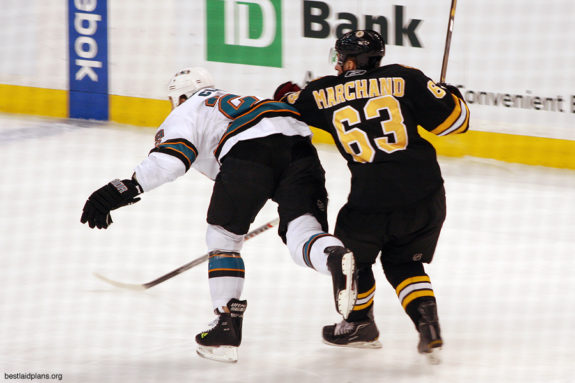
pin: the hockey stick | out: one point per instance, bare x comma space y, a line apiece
181, 269
448, 40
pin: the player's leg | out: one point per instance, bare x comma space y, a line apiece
226, 280
312, 247
417, 297
302, 204
307, 241
226, 269
240, 191
361, 236
402, 260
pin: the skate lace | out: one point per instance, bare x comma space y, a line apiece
344, 327
213, 324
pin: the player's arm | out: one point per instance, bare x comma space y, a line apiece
170, 159
172, 156
302, 100
441, 107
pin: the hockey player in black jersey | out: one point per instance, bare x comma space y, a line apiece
396, 205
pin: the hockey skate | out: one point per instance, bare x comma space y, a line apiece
222, 340
430, 341
363, 334
341, 264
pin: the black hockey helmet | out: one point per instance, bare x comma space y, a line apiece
365, 46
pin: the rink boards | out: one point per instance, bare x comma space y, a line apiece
531, 150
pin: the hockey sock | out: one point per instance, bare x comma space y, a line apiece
307, 243
313, 251
226, 272
412, 286
365, 294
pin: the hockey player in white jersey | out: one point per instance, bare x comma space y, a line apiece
254, 150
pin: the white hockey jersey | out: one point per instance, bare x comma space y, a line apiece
201, 131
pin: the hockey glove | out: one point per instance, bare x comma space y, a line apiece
284, 89
109, 197
451, 88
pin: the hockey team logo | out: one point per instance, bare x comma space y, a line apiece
244, 32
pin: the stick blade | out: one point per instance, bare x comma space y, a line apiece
121, 285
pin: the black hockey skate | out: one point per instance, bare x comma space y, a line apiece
363, 334
222, 340
430, 341
341, 264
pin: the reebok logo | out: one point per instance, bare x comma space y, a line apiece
244, 32
88, 59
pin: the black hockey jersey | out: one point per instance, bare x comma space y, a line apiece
373, 117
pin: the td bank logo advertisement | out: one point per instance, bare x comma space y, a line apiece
250, 31
244, 32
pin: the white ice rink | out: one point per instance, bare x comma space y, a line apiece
504, 275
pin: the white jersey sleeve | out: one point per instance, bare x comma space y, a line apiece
158, 169
185, 139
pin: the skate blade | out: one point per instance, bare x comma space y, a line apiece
346, 298
226, 354
434, 357
372, 345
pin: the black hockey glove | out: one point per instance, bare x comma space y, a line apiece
452, 88
285, 88
109, 197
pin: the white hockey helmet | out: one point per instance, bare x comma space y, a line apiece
188, 81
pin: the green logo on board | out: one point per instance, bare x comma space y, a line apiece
244, 32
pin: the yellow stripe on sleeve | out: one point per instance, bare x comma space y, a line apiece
449, 120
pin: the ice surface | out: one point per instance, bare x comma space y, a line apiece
503, 274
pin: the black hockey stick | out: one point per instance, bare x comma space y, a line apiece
181, 269
448, 40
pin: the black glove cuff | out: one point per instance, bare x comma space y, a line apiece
129, 186
116, 194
